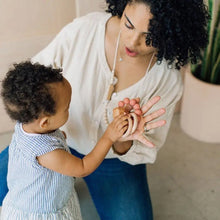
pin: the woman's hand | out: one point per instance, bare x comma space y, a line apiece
145, 122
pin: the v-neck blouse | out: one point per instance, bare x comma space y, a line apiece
79, 50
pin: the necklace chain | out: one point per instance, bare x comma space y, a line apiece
113, 80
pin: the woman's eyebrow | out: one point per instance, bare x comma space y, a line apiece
129, 20
144, 32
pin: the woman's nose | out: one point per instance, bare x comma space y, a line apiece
134, 40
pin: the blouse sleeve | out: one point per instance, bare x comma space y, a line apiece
140, 153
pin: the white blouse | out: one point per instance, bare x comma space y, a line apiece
79, 50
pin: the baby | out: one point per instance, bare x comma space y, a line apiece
41, 167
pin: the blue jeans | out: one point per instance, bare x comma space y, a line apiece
3, 174
119, 190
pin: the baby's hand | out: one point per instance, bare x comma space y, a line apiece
117, 127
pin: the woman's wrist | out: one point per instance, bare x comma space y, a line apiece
121, 148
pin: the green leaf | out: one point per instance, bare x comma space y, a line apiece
216, 71
210, 62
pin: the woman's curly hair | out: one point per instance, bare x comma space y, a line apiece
26, 93
178, 28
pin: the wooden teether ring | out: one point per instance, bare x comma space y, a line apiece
132, 121
135, 122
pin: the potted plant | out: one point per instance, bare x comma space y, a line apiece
200, 107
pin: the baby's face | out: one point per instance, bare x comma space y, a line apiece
62, 95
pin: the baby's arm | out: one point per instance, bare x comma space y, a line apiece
67, 164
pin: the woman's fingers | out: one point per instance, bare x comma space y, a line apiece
148, 118
138, 112
126, 100
130, 102
145, 108
135, 101
121, 104
145, 141
154, 115
145, 122
140, 137
153, 125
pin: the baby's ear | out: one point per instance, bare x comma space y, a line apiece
44, 122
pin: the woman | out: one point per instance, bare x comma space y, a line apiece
135, 51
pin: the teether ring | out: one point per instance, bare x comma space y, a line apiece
132, 120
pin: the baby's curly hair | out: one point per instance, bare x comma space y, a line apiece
26, 93
178, 28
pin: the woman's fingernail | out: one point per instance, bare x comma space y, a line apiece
121, 104
136, 106
126, 100
133, 102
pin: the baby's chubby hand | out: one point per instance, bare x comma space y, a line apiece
117, 127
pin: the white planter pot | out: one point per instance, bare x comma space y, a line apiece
200, 110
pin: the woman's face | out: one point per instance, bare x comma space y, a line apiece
134, 27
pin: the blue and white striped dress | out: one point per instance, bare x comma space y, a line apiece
35, 192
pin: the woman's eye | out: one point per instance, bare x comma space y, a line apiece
128, 26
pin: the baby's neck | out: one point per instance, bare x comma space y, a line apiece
34, 128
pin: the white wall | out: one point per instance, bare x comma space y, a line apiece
25, 28
85, 6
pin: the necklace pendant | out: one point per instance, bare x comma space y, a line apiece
115, 80
110, 91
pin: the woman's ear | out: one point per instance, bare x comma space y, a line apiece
44, 122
